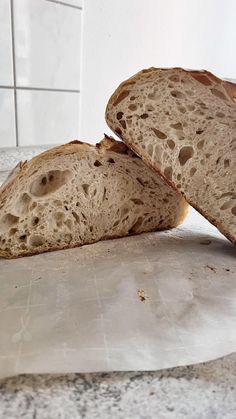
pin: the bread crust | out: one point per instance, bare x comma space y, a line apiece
206, 78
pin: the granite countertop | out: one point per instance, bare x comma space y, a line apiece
194, 392
206, 391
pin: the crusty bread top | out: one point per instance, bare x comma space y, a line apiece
108, 143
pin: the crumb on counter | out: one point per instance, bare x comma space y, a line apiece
211, 268
141, 294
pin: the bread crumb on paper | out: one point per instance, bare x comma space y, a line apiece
211, 268
141, 294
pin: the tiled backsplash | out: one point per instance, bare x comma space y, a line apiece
40, 50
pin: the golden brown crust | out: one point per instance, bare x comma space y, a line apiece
202, 76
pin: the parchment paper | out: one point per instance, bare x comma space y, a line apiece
152, 301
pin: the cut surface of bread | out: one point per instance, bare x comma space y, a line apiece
78, 194
183, 124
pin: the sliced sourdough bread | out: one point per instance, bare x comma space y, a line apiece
77, 194
183, 124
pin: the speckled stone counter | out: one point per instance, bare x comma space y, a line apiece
206, 391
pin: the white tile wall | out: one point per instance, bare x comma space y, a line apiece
47, 117
7, 118
6, 70
40, 49
47, 44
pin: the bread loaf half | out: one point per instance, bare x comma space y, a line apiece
183, 124
77, 194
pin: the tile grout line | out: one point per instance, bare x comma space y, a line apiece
81, 73
65, 4
47, 89
14, 70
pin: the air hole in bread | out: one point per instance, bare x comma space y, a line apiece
185, 154
84, 216
104, 194
121, 97
119, 115
132, 107
116, 223
97, 163
177, 94
111, 160
178, 176
85, 188
218, 93
226, 163
150, 108
199, 131
36, 241
168, 172
200, 144
67, 237
34, 221
136, 226
68, 224
8, 221
191, 107
137, 201
23, 203
59, 216
13, 231
227, 205
132, 97
159, 133
220, 114
49, 182
199, 112
182, 109
192, 171
189, 92
140, 181
122, 123
177, 126
23, 238
144, 116
171, 144
124, 211
152, 95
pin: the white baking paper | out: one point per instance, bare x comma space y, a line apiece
152, 301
